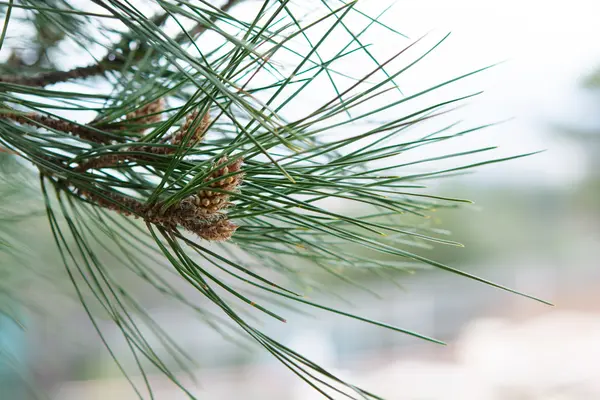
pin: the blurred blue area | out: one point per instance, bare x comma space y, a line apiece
12, 360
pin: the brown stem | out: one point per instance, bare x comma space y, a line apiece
114, 159
51, 77
213, 227
107, 160
38, 120
48, 78
148, 114
199, 213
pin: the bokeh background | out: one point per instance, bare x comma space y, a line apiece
535, 226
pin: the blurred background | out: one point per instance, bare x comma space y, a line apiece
535, 226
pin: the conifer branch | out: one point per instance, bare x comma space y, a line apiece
257, 180
189, 135
188, 213
105, 64
51, 77
41, 121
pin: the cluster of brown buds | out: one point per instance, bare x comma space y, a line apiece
223, 181
201, 213
150, 113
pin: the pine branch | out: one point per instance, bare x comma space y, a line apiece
51, 77
42, 121
106, 63
188, 136
238, 157
191, 214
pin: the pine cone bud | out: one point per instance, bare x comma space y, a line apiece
193, 129
218, 231
212, 201
150, 113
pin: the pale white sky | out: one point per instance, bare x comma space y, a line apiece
549, 46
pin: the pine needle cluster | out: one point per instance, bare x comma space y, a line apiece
202, 159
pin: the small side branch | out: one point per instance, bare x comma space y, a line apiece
51, 77
190, 134
43, 121
187, 214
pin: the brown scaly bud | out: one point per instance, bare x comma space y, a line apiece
212, 227
120, 203
150, 113
192, 130
211, 201
231, 182
217, 231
